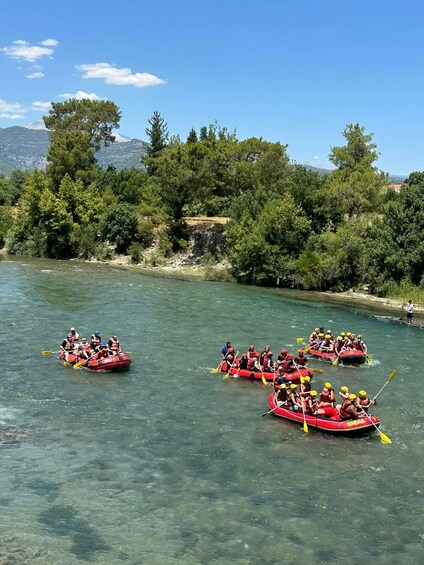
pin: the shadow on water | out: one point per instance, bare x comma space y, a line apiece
45, 488
63, 521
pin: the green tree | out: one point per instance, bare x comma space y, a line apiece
359, 151
70, 153
332, 260
56, 225
356, 186
192, 136
158, 140
77, 129
95, 118
394, 243
119, 226
8, 192
264, 241
6, 222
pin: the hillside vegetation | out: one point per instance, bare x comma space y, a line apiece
287, 225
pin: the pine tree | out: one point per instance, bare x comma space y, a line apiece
158, 140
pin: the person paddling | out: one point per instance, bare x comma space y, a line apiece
363, 402
311, 404
348, 409
73, 335
300, 359
225, 349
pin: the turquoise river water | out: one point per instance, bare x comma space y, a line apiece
168, 463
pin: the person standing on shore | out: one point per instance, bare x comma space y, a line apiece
409, 311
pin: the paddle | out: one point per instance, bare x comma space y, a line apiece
80, 363
368, 358
218, 368
262, 377
336, 361
306, 350
227, 374
299, 339
272, 409
49, 352
383, 437
317, 371
390, 378
305, 425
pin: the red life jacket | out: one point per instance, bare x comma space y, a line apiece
343, 408
251, 363
287, 365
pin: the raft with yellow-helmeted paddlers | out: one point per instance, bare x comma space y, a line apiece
334, 424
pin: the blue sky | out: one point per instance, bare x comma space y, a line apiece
294, 71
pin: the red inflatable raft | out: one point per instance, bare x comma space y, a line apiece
346, 357
288, 377
111, 363
333, 425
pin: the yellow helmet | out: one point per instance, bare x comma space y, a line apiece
306, 378
339, 338
343, 334
292, 386
329, 332
327, 336
352, 396
362, 393
344, 389
313, 393
348, 334
321, 335
316, 330
283, 386
328, 385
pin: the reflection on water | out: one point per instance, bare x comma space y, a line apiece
168, 463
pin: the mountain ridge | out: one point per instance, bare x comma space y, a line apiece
33, 142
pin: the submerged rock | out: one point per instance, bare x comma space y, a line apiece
9, 435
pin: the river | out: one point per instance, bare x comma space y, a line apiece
168, 463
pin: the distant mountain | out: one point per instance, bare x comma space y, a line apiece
26, 148
394, 179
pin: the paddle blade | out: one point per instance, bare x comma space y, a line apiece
392, 375
299, 339
336, 361
306, 350
78, 365
384, 438
264, 380
66, 363
215, 370
47, 353
305, 427
317, 371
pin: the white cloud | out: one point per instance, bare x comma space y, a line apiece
315, 157
21, 49
50, 42
80, 95
37, 74
114, 75
41, 106
11, 116
11, 110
